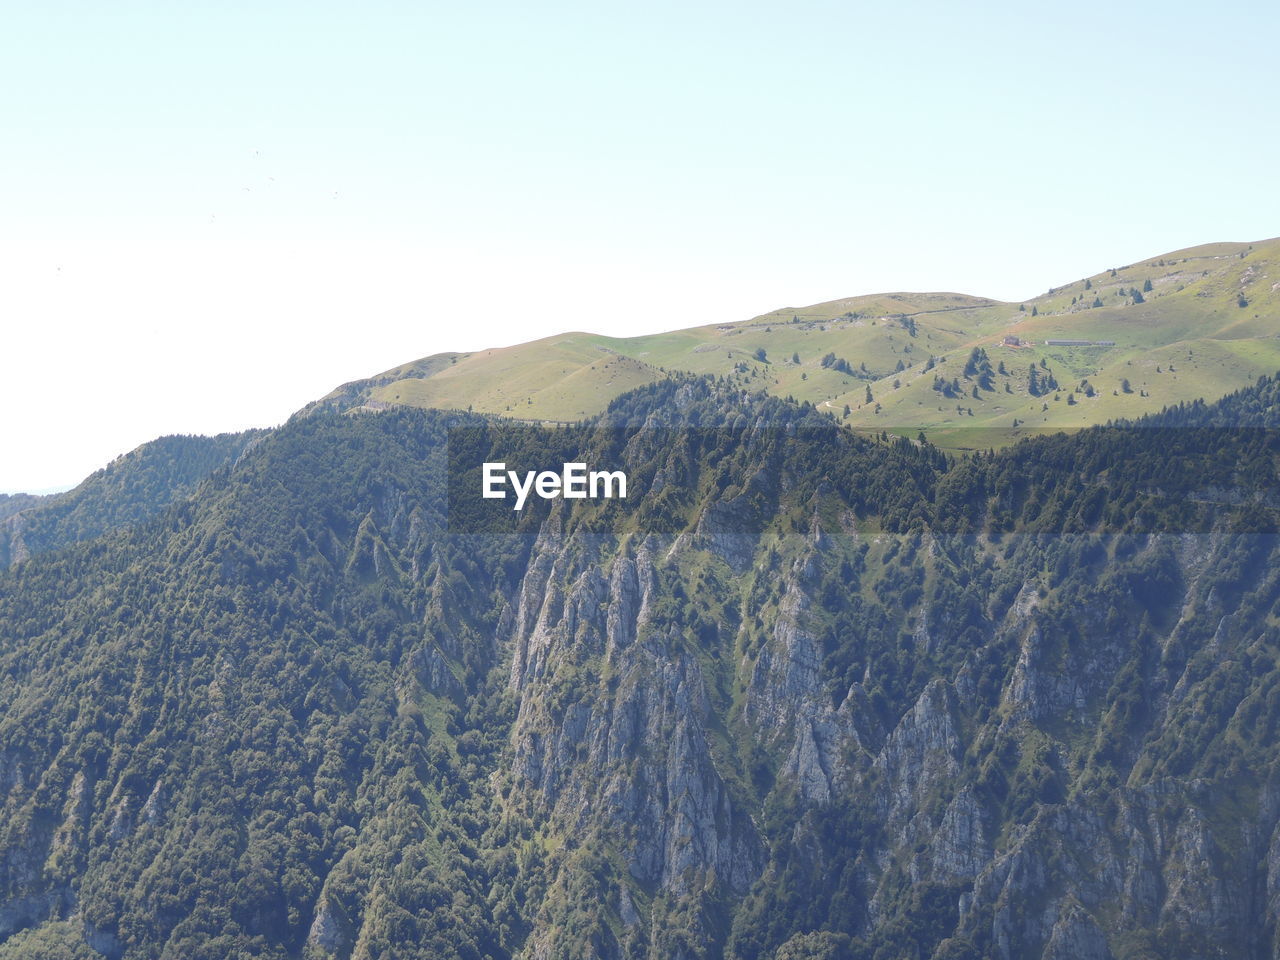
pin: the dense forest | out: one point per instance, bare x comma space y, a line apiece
132, 488
804, 695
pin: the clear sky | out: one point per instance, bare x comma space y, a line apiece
211, 214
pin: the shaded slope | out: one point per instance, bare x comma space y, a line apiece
133, 488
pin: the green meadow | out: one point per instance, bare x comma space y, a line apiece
1195, 323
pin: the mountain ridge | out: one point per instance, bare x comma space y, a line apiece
1211, 312
133, 488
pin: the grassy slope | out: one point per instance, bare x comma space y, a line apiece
1191, 319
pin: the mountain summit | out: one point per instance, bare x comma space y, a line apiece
1192, 324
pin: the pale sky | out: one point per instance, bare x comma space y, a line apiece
209, 217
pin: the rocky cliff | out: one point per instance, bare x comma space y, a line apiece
783, 708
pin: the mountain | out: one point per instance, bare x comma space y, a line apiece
132, 488
804, 694
11, 503
1195, 323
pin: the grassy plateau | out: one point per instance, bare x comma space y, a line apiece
1195, 323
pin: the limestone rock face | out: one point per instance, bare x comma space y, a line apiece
626, 753
628, 749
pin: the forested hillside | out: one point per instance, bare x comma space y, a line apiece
804, 695
133, 487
